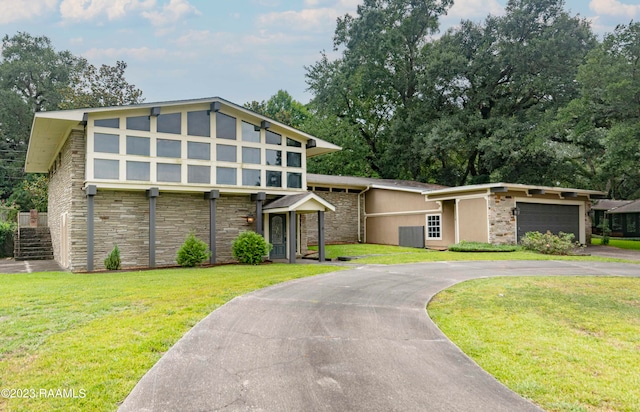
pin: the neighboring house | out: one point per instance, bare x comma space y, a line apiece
623, 217
144, 176
422, 215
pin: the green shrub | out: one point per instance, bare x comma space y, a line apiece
250, 247
7, 229
465, 246
550, 244
606, 231
192, 252
112, 262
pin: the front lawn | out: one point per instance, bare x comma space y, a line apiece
567, 343
98, 334
621, 243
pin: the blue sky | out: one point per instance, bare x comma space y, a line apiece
240, 50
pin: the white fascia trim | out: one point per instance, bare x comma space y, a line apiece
406, 213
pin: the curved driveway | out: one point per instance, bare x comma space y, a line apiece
355, 340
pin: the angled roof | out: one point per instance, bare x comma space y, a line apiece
369, 182
606, 204
50, 129
632, 206
301, 202
452, 192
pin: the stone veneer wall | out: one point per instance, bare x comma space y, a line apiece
340, 226
502, 224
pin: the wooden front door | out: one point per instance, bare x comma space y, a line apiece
278, 236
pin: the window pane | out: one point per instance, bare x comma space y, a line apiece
198, 123
197, 150
113, 123
106, 143
198, 174
273, 138
139, 123
138, 171
251, 155
249, 132
226, 153
138, 145
293, 143
273, 157
225, 126
294, 159
250, 177
168, 173
168, 148
433, 227
106, 169
226, 176
294, 180
274, 179
170, 123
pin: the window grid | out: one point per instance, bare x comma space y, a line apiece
433, 227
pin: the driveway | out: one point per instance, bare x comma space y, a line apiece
356, 340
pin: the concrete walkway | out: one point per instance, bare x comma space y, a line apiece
28, 266
356, 340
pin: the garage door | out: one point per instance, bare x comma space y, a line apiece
537, 217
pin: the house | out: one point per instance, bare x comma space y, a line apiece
143, 176
623, 217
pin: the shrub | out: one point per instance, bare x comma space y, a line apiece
250, 247
606, 232
7, 230
465, 246
550, 244
112, 262
192, 252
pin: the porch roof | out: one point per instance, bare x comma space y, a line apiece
302, 202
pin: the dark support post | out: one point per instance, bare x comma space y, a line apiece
91, 191
212, 196
321, 235
292, 236
259, 198
152, 194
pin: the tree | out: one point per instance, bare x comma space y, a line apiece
282, 108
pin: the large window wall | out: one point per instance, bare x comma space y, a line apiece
193, 147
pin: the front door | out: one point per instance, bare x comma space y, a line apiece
278, 236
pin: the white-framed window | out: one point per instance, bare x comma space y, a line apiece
434, 227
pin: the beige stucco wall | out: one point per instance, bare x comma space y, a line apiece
472, 220
392, 201
447, 222
384, 230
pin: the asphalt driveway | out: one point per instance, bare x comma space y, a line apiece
356, 340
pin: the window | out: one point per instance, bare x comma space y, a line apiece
138, 171
293, 143
294, 159
251, 155
273, 138
631, 223
433, 227
225, 153
138, 145
225, 126
112, 123
249, 133
170, 123
226, 176
106, 143
169, 173
139, 123
198, 123
197, 150
168, 148
250, 177
294, 180
274, 179
198, 174
106, 169
273, 157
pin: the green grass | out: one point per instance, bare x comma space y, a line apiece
620, 243
392, 255
101, 332
464, 246
567, 343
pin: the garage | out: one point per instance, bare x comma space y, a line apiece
539, 217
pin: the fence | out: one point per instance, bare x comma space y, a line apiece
30, 219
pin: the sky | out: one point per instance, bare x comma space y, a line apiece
240, 50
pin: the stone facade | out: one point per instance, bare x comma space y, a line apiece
340, 226
502, 224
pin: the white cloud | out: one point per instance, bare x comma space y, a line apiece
305, 20
140, 54
91, 9
614, 8
474, 9
13, 10
170, 13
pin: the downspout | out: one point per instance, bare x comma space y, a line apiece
365, 217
